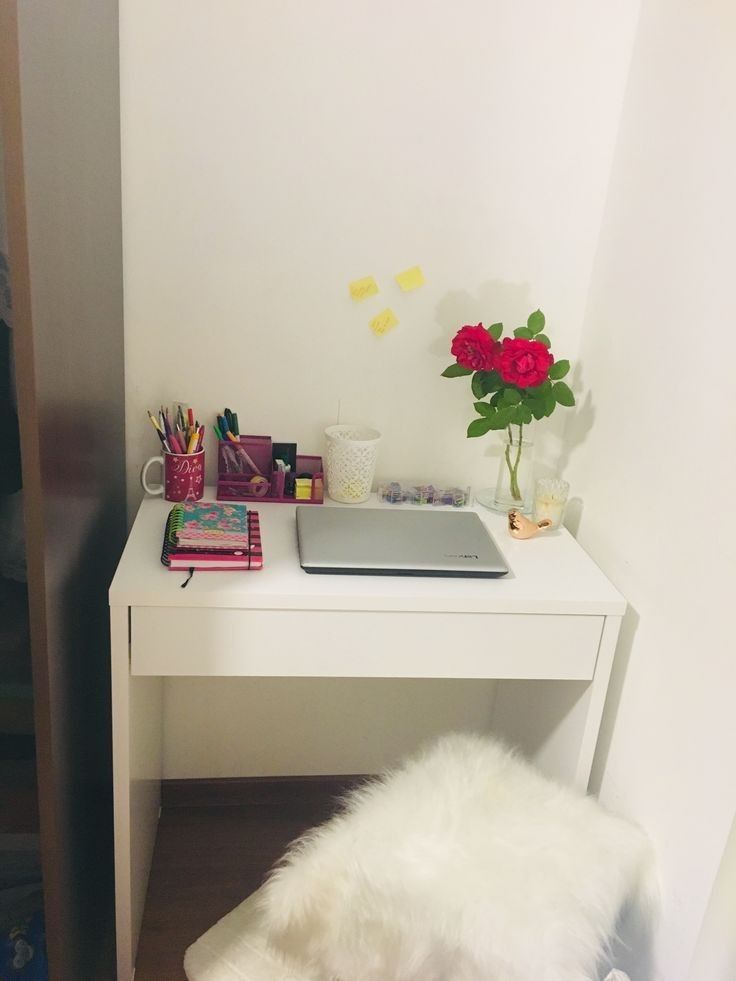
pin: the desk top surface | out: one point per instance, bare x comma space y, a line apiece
549, 574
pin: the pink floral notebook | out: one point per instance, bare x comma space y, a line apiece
209, 525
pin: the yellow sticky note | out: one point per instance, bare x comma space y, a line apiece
361, 289
383, 322
410, 279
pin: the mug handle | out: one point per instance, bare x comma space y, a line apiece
158, 489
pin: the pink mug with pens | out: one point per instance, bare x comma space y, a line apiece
183, 476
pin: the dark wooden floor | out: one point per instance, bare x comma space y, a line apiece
209, 858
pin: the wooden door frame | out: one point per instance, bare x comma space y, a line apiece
75, 506
22, 333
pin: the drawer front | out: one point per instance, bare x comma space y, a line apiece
345, 644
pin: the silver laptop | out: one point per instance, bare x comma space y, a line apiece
382, 542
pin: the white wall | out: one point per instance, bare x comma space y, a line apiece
273, 151
653, 458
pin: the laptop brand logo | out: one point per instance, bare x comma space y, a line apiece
462, 555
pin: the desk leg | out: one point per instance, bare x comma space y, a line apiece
137, 747
556, 723
596, 700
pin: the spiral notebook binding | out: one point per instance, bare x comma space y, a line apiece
170, 532
175, 523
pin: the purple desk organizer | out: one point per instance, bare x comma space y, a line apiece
238, 464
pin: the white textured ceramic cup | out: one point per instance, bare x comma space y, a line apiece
350, 462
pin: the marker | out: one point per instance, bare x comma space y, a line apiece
176, 446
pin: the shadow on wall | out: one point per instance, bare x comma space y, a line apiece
633, 949
492, 302
579, 424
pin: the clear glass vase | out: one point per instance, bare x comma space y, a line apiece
515, 487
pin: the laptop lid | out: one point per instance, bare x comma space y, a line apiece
401, 542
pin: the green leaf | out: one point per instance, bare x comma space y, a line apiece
536, 406
495, 330
523, 332
525, 414
562, 394
543, 339
520, 415
494, 382
483, 408
536, 322
456, 370
496, 398
487, 382
479, 427
559, 369
501, 419
549, 404
511, 396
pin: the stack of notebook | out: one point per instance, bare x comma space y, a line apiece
213, 536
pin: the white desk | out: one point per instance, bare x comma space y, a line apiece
554, 618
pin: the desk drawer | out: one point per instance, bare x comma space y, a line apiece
345, 644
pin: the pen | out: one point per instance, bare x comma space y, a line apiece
163, 439
154, 421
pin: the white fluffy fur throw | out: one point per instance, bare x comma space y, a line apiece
463, 865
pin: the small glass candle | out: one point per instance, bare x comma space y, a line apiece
550, 497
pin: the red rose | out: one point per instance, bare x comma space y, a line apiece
522, 362
473, 347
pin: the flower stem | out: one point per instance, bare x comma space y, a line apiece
514, 467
